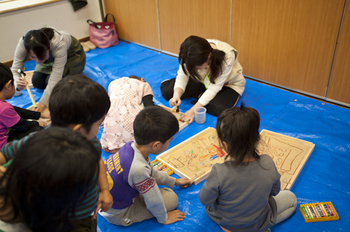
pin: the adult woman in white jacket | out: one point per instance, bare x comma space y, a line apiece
209, 70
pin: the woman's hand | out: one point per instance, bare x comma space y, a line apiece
175, 101
40, 107
188, 116
21, 84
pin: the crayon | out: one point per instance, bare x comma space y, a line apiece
309, 211
312, 212
154, 163
163, 168
306, 212
328, 212
321, 210
331, 209
158, 165
318, 211
324, 210
317, 214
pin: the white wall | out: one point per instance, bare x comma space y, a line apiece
60, 15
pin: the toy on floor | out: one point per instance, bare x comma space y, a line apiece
318, 212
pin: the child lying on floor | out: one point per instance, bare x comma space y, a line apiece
127, 95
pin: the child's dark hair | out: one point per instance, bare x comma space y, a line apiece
238, 127
76, 99
194, 51
154, 123
38, 41
135, 77
5, 75
51, 172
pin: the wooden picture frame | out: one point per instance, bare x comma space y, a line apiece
289, 154
195, 157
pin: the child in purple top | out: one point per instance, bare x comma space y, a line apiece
133, 182
13, 123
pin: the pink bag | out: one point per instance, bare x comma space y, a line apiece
103, 34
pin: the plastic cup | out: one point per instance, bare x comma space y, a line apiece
200, 115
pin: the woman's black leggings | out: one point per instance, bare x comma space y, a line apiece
226, 98
40, 80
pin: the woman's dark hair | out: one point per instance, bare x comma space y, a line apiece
51, 172
195, 51
238, 127
154, 123
77, 99
5, 75
38, 41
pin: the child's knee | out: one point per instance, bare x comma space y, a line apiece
170, 199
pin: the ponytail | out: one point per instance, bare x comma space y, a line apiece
216, 64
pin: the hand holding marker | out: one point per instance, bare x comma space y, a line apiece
28, 89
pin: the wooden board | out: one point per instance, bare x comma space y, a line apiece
194, 157
288, 153
177, 115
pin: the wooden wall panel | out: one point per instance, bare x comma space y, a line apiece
136, 20
287, 42
339, 88
179, 19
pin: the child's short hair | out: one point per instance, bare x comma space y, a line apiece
50, 173
77, 99
238, 127
154, 123
5, 75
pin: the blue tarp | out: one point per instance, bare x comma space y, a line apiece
325, 176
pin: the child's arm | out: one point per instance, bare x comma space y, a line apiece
24, 125
27, 114
210, 191
105, 200
276, 187
184, 182
148, 100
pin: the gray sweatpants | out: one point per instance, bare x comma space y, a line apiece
138, 211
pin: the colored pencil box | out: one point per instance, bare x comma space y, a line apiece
160, 166
318, 212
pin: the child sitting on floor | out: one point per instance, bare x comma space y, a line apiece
133, 182
127, 95
79, 103
13, 120
40, 189
243, 193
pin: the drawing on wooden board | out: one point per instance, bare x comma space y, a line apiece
182, 124
195, 157
288, 153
